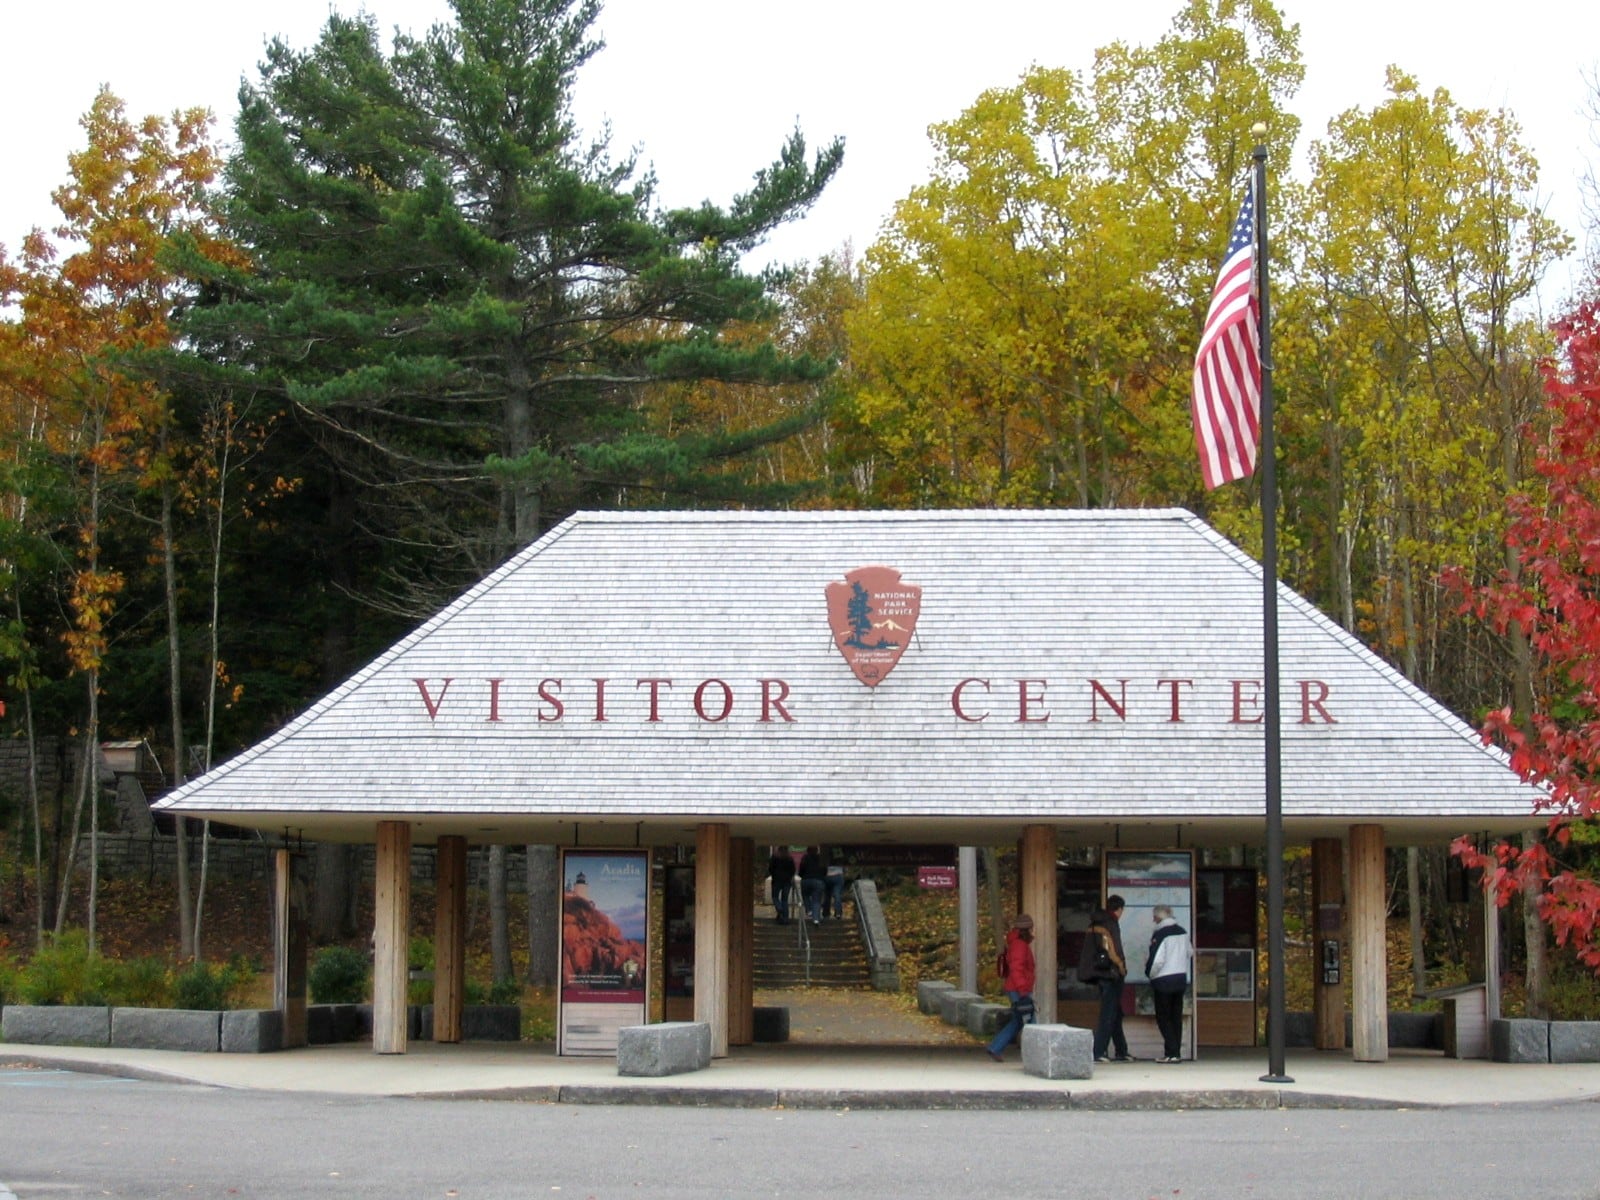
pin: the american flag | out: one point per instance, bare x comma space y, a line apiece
1226, 403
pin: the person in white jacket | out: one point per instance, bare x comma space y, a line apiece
1167, 969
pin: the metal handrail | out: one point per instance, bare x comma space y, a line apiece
875, 935
862, 923
803, 935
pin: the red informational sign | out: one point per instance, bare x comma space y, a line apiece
872, 616
936, 877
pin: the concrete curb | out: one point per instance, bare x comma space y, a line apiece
43, 1062
924, 1100
917, 1099
536, 1094
673, 1097
831, 1098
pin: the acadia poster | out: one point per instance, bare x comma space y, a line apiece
605, 901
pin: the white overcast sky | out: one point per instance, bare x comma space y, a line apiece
707, 89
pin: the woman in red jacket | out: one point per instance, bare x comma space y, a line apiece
1018, 983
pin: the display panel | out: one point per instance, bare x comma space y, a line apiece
1144, 879
604, 951
1225, 974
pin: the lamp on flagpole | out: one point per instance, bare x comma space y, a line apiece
1269, 638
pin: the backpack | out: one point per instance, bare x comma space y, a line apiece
1096, 962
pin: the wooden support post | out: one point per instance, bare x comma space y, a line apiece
449, 938
967, 915
1037, 859
390, 937
711, 933
1478, 914
1491, 957
1369, 954
1327, 902
289, 949
741, 942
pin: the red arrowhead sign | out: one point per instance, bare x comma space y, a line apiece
873, 615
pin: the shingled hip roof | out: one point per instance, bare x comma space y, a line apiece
642, 672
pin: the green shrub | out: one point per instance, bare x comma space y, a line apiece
65, 972
506, 991
1574, 993
419, 954
419, 957
338, 976
143, 983
204, 987
10, 979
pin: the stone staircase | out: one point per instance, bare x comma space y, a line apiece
838, 959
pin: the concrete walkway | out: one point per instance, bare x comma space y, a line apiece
800, 1076
855, 1017
858, 1050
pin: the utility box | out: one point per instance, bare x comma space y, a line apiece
1466, 1019
128, 758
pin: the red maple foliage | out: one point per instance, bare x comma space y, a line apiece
1556, 600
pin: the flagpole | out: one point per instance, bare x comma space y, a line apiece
1269, 638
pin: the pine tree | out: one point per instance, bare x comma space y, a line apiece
464, 304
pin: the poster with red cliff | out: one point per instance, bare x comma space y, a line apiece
604, 950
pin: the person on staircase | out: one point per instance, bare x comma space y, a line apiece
1017, 980
780, 869
833, 897
813, 882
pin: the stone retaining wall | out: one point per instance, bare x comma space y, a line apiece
55, 765
249, 858
246, 1031
1521, 1040
1407, 1030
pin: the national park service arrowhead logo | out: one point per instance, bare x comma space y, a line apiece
872, 615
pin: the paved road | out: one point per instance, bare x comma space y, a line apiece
67, 1134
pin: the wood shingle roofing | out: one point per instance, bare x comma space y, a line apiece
632, 674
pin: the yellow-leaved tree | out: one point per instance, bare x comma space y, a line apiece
94, 293
1030, 313
1410, 353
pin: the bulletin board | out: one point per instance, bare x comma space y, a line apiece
1145, 879
604, 948
1225, 935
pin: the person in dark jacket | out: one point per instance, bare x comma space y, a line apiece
1167, 969
1018, 983
780, 869
833, 899
1104, 964
813, 881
